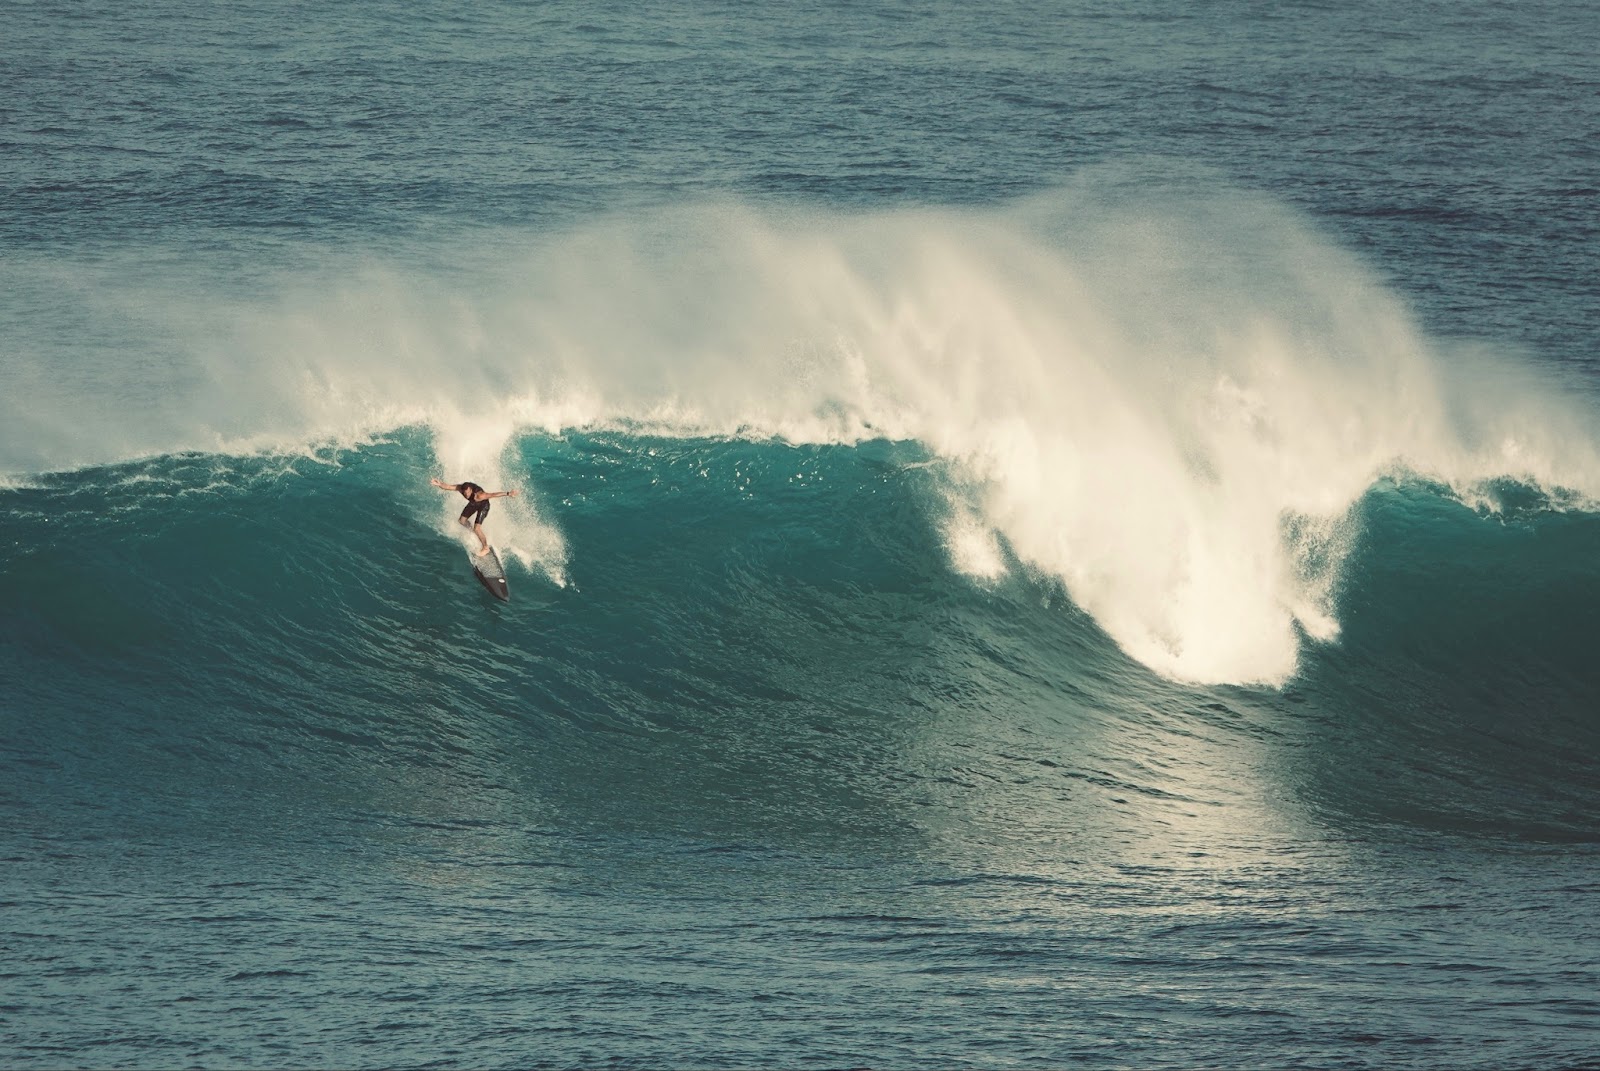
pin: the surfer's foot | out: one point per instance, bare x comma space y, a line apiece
483, 551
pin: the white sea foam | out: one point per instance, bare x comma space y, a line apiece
971, 542
1168, 404
475, 448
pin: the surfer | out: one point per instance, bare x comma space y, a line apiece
477, 506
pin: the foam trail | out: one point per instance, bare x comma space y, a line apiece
472, 448
1168, 403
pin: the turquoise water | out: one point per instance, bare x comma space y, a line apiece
1056, 536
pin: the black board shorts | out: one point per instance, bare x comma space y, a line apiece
481, 509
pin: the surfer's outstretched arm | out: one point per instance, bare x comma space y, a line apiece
503, 494
441, 485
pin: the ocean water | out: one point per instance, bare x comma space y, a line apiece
1057, 535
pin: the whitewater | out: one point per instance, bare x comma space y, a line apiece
1045, 537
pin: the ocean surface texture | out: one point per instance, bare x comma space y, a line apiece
1050, 534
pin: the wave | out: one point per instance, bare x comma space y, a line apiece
1169, 402
757, 632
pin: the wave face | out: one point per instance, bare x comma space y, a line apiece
719, 604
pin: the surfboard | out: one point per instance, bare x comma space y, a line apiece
491, 574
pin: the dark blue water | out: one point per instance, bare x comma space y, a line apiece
1058, 536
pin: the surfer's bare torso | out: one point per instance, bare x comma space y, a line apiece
477, 507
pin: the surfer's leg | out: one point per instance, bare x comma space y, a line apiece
477, 530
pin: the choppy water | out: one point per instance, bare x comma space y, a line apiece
1055, 535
